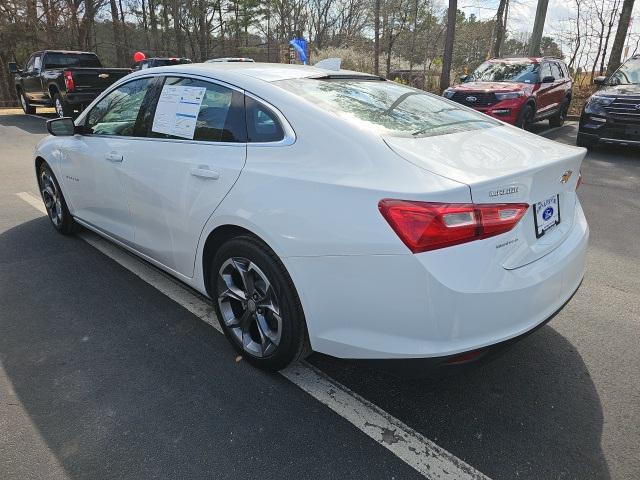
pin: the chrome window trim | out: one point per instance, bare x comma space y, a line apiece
289, 132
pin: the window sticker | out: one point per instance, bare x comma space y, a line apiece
177, 110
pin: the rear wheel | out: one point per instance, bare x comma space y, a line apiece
525, 118
54, 201
62, 108
558, 119
257, 304
24, 103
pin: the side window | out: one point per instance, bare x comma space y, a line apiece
215, 116
556, 71
116, 113
262, 123
37, 62
545, 71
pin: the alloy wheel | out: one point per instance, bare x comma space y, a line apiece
249, 306
51, 197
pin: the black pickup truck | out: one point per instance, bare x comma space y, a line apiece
62, 79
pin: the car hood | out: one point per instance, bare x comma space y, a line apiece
633, 89
492, 86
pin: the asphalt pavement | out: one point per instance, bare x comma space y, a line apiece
104, 376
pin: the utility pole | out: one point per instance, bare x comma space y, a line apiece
538, 27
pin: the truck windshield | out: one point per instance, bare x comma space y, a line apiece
526, 72
387, 107
71, 60
627, 74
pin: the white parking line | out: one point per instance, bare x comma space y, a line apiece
432, 461
554, 129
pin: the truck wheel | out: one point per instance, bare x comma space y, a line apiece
62, 108
26, 106
558, 119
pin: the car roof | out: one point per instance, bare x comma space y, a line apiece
269, 72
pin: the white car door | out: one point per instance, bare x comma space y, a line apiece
93, 167
176, 180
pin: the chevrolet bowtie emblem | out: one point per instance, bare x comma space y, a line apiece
104, 75
566, 176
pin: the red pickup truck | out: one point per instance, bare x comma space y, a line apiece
519, 91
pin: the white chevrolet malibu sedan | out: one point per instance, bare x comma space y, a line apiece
327, 211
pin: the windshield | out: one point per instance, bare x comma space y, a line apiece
526, 72
71, 60
627, 74
387, 107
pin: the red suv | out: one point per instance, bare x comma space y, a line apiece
519, 91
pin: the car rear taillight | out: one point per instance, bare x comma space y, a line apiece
424, 226
68, 80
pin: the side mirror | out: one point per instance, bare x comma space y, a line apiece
13, 68
600, 80
548, 79
61, 127
463, 78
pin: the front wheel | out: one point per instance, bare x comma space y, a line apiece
54, 201
525, 118
24, 103
257, 304
62, 108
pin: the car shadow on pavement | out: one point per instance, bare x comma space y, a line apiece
116, 380
24, 122
532, 413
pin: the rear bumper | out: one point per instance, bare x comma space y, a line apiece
437, 367
434, 305
80, 98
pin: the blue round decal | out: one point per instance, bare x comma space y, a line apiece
546, 215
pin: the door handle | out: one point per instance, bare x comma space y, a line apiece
205, 173
114, 157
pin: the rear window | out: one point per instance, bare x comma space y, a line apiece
388, 107
71, 60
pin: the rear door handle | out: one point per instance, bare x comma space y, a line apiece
205, 173
114, 157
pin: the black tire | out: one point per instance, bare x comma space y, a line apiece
293, 343
63, 109
54, 202
584, 141
558, 119
24, 103
525, 117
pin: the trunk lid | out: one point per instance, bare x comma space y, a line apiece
505, 165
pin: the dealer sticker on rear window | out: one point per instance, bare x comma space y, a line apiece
547, 215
